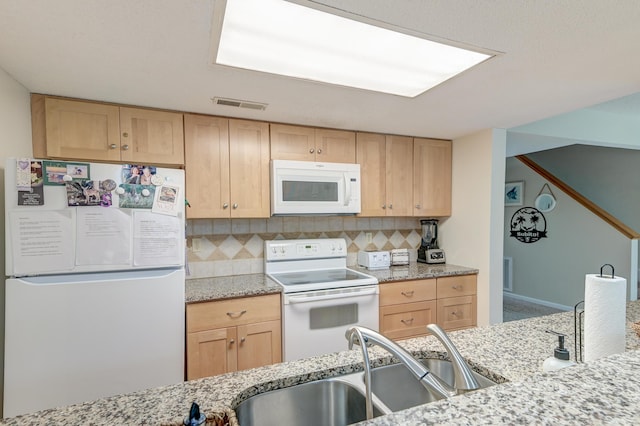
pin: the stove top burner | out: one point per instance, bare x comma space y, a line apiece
307, 265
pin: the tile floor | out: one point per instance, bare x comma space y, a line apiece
517, 309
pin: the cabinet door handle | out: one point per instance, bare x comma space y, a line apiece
225, 205
235, 205
242, 339
407, 293
407, 322
236, 314
319, 150
113, 146
231, 342
125, 147
125, 135
311, 151
418, 206
384, 206
390, 206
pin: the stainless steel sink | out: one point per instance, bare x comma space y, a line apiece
398, 389
325, 402
341, 401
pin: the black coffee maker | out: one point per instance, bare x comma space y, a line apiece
429, 251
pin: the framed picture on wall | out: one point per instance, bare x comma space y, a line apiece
513, 193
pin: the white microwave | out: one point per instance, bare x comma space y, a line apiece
307, 187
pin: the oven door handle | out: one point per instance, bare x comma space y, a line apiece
345, 295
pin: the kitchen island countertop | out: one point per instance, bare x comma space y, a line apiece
605, 391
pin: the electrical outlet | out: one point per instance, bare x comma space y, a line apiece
369, 237
195, 245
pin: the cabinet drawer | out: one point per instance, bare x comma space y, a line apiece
461, 285
407, 292
457, 312
407, 320
231, 312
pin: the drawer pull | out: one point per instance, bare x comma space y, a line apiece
456, 287
236, 314
455, 313
407, 322
407, 293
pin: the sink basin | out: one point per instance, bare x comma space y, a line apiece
398, 389
341, 400
325, 402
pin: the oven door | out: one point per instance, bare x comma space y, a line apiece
315, 322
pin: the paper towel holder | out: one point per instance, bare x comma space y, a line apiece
613, 275
578, 315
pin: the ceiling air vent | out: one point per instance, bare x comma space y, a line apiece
239, 104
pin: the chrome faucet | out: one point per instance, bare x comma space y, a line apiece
464, 379
430, 381
351, 335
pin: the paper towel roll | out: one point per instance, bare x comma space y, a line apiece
604, 316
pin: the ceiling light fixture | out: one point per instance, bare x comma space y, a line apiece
285, 38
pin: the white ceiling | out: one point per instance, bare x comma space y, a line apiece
558, 56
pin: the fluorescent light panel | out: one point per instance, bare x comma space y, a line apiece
280, 37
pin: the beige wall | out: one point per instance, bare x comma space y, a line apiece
473, 235
15, 141
553, 269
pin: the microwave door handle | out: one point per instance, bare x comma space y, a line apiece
347, 190
308, 299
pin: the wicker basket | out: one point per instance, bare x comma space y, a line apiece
635, 326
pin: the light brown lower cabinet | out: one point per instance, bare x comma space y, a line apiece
457, 303
406, 307
234, 334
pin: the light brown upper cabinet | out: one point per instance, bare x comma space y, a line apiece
312, 144
431, 177
92, 131
227, 167
386, 167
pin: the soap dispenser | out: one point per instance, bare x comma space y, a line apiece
195, 417
560, 358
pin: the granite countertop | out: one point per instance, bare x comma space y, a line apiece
216, 288
206, 289
606, 391
416, 271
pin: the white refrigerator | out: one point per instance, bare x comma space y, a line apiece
95, 258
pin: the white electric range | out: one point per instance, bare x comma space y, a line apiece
321, 296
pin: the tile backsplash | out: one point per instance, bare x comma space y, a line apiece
222, 247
